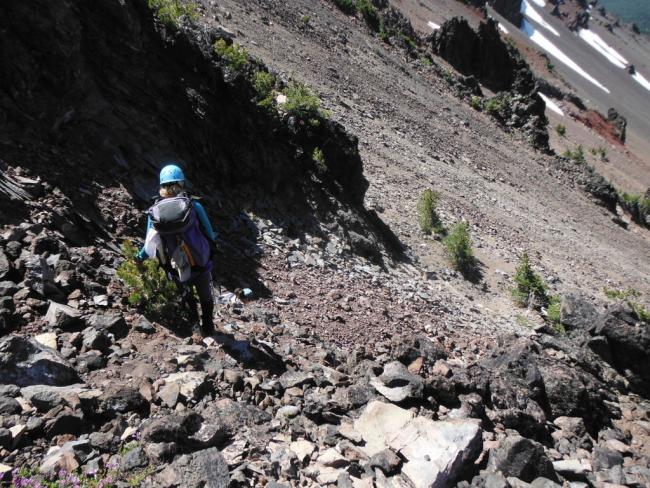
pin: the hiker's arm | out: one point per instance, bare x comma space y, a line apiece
142, 255
205, 222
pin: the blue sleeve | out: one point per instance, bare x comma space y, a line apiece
142, 255
205, 222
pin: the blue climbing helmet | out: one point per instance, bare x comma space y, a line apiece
171, 174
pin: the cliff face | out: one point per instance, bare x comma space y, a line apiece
103, 94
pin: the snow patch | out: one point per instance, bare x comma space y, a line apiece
643, 81
502, 28
540, 3
543, 42
433, 25
595, 41
528, 10
551, 105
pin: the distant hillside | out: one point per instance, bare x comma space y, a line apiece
630, 11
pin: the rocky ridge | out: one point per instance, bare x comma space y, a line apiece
281, 396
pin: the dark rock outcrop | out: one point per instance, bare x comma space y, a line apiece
619, 122
501, 68
25, 362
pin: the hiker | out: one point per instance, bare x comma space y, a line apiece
179, 233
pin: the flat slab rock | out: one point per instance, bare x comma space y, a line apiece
434, 451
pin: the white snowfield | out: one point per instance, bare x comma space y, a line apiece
597, 42
540, 3
528, 11
551, 105
433, 25
502, 28
542, 41
643, 81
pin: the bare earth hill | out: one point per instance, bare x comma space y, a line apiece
364, 357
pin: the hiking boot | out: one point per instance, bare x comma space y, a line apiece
208, 329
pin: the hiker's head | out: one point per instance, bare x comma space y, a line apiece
172, 181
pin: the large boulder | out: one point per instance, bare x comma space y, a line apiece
577, 312
397, 384
434, 452
201, 469
522, 458
5, 265
25, 362
629, 342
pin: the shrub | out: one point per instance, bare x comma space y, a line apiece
346, 6
599, 151
577, 155
235, 55
561, 130
170, 11
427, 216
554, 313
369, 14
319, 159
498, 105
476, 102
305, 19
425, 60
530, 289
302, 102
148, 284
264, 83
458, 246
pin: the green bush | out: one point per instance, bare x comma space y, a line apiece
629, 198
530, 289
302, 102
346, 6
148, 284
319, 159
498, 105
599, 151
554, 313
264, 83
427, 216
235, 55
170, 11
476, 103
577, 155
305, 19
369, 14
458, 246
561, 130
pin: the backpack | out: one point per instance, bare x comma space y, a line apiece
185, 245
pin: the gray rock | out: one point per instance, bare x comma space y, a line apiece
9, 406
112, 323
435, 452
397, 384
573, 469
201, 469
159, 452
133, 459
521, 458
67, 422
9, 391
5, 265
143, 325
62, 316
171, 428
96, 339
544, 483
295, 378
6, 439
387, 461
577, 312
25, 362
603, 458
7, 288
495, 480
122, 399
